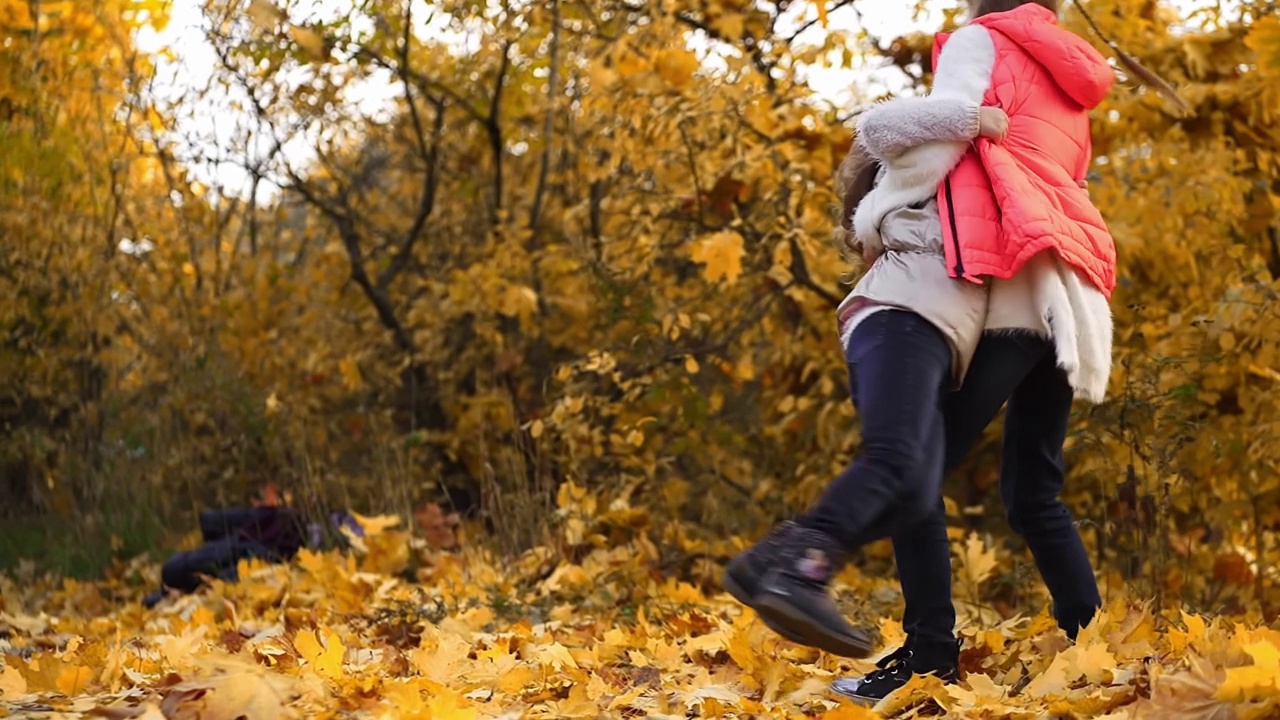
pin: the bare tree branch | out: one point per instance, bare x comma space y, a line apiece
725, 339
548, 126
840, 5
425, 84
166, 165
800, 272
693, 170
493, 127
430, 157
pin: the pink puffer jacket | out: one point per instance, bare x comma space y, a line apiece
1007, 202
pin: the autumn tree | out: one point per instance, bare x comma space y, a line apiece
68, 91
572, 204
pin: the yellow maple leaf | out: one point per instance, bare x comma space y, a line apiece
705, 695
708, 644
181, 650
984, 687
891, 632
517, 678
978, 561
325, 657
1253, 682
113, 668
72, 680
313, 562
721, 253
12, 683
250, 692
1094, 661
203, 616
1055, 678
918, 689
557, 656
448, 705
405, 699
1179, 640
443, 660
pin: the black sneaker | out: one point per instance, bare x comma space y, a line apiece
796, 595
894, 670
743, 574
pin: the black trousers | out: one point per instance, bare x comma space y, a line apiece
1021, 368
914, 431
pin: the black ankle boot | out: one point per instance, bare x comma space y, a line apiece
895, 669
743, 574
796, 594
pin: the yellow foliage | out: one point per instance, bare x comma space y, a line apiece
676, 66
1264, 39
615, 642
580, 281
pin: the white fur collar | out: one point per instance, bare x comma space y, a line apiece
963, 71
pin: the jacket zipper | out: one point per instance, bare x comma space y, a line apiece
955, 238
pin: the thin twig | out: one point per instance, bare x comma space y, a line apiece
548, 126
430, 157
810, 23
693, 170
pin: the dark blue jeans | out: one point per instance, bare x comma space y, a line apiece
899, 371
1022, 369
230, 535
215, 559
914, 431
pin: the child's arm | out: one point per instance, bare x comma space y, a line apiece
894, 127
951, 113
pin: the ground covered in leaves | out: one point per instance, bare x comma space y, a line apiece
598, 626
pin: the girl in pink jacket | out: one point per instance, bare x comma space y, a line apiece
951, 210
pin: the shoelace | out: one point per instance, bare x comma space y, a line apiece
890, 665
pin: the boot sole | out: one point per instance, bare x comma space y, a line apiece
869, 700
778, 613
740, 594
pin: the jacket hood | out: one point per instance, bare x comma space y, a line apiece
1079, 69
